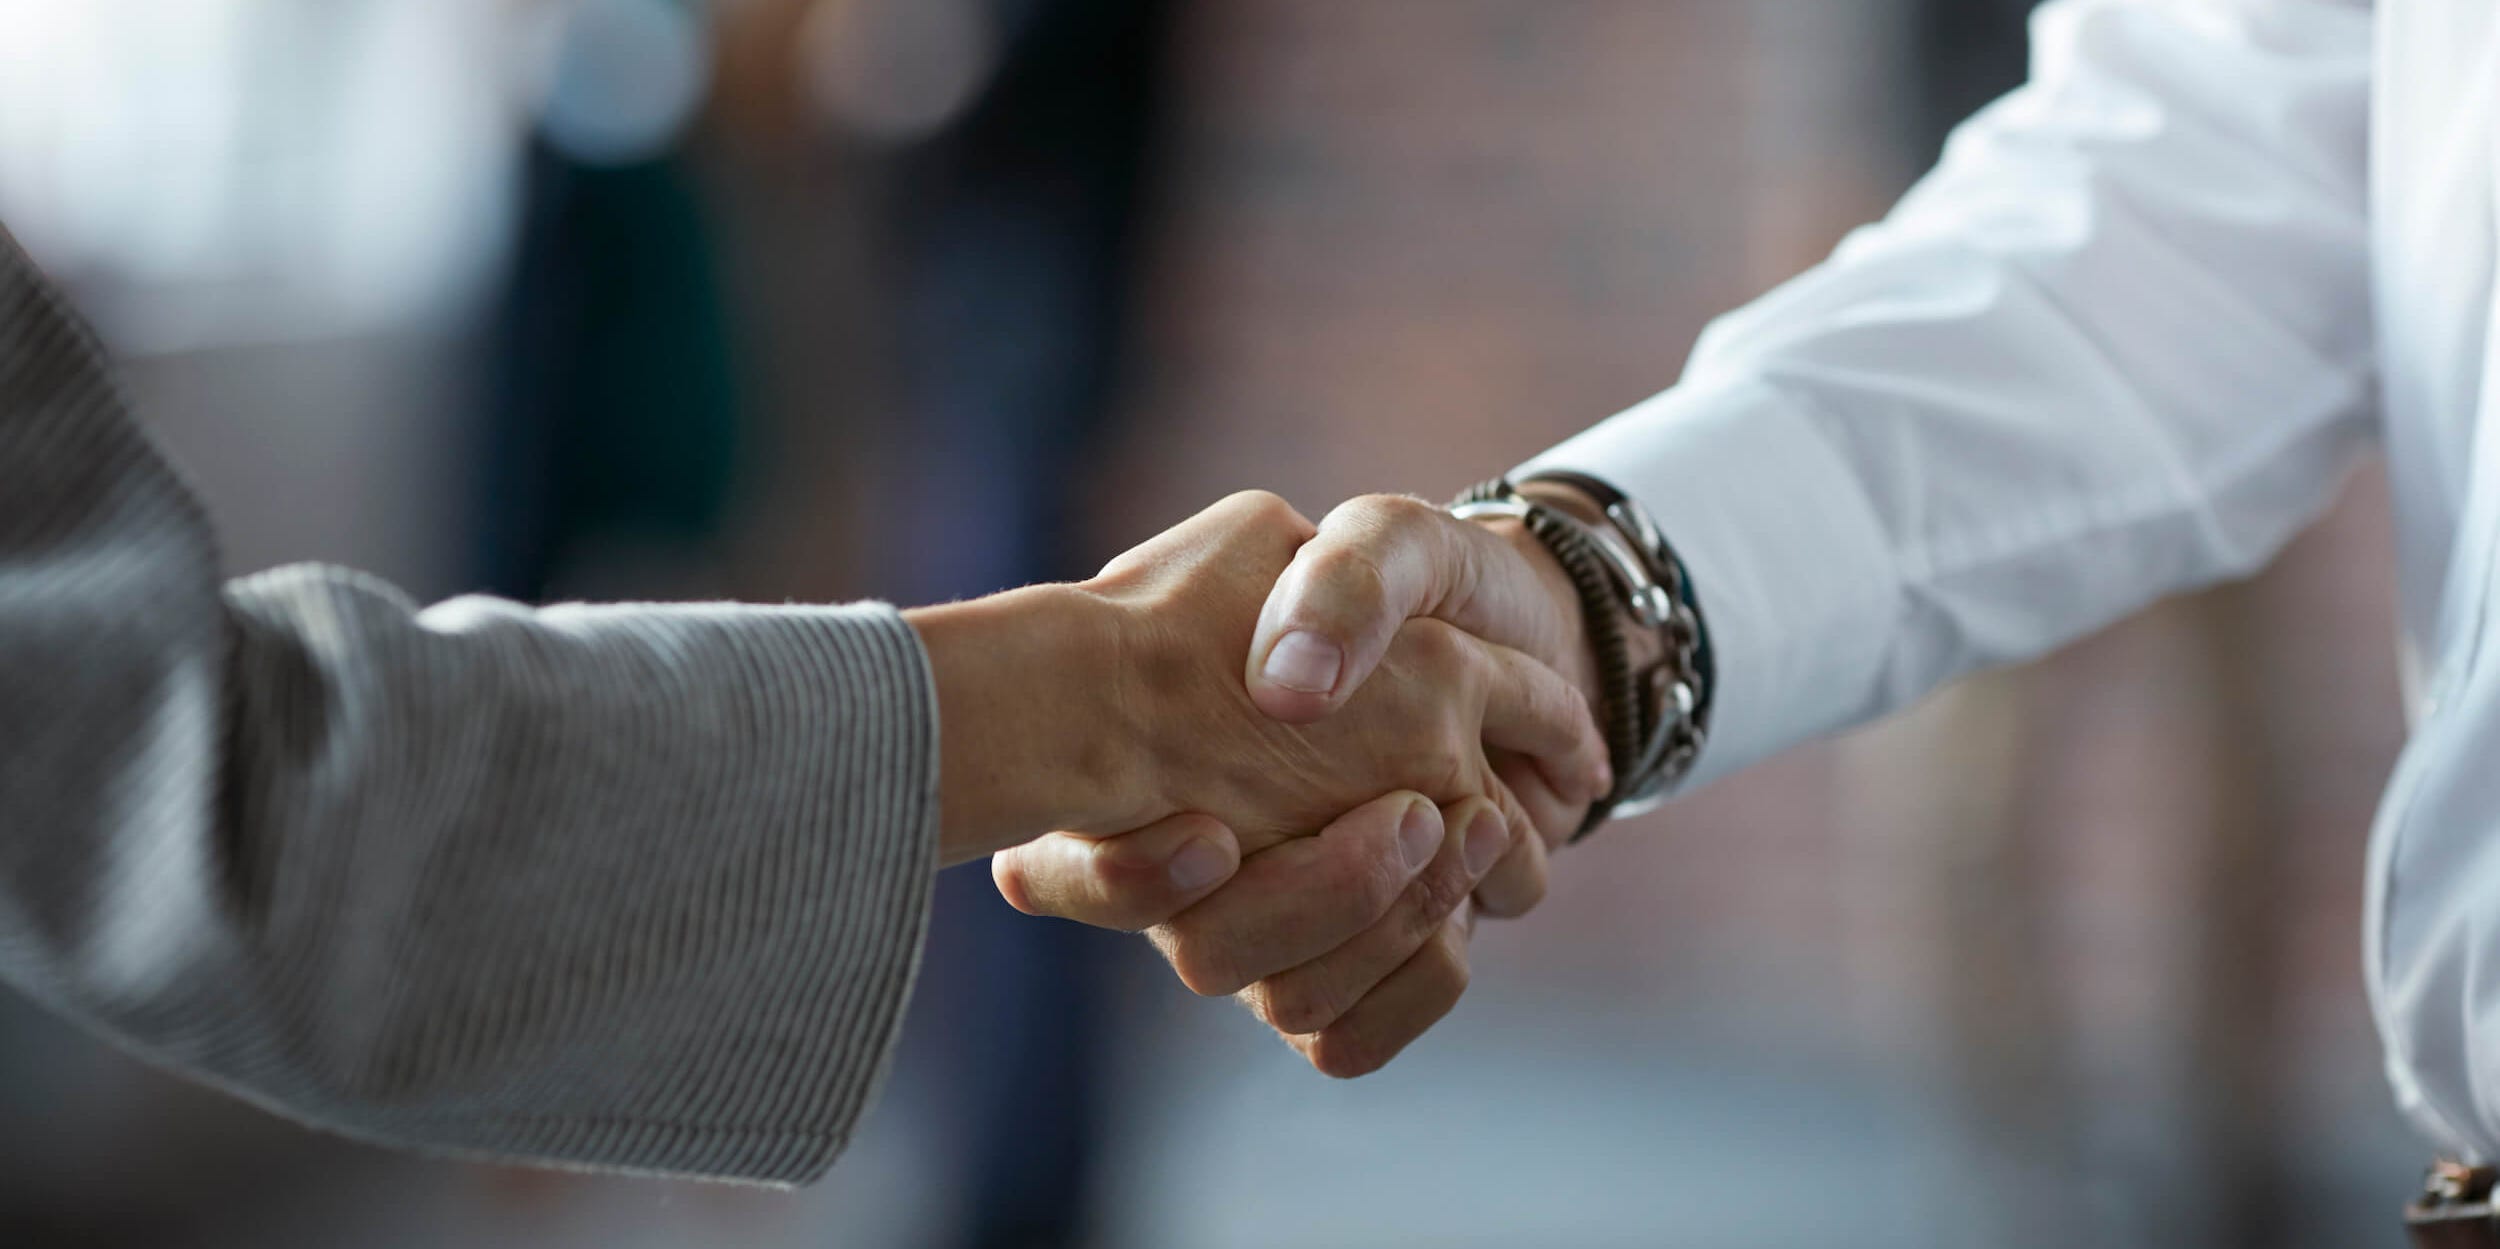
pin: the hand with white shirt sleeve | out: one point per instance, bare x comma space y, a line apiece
2118, 344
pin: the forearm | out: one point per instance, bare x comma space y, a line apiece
1961, 443
634, 887
534, 884
1642, 642
570, 883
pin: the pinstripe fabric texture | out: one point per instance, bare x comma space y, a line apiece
635, 887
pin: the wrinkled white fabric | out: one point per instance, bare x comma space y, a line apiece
2127, 339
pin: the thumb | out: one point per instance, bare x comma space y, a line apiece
1376, 562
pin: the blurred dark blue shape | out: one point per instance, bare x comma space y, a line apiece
612, 409
1019, 229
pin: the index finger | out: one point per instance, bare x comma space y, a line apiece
1292, 903
1531, 712
1133, 881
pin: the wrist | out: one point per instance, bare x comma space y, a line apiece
1660, 710
1643, 643
1578, 660
1032, 733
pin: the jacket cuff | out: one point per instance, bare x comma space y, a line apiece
763, 953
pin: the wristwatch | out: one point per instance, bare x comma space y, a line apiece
1657, 718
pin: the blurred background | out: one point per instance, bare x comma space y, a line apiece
820, 299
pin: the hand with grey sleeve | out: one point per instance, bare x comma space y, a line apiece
627, 886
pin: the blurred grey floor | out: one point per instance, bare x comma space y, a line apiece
1528, 1119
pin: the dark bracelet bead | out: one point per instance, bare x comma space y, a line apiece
1621, 717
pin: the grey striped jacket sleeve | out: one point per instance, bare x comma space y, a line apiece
627, 887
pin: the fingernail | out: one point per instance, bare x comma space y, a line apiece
1304, 661
1419, 835
1487, 837
1602, 782
1199, 864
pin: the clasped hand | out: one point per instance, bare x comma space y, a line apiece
1302, 758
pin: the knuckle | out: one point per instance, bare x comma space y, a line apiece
1254, 502
1373, 888
1299, 1007
1433, 645
1434, 898
1207, 977
1354, 579
1557, 704
1407, 509
1129, 566
1385, 514
1365, 886
1204, 966
1166, 943
1268, 510
1514, 813
1443, 766
1129, 895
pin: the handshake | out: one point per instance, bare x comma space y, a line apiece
1302, 758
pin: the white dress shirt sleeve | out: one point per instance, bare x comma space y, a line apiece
2118, 344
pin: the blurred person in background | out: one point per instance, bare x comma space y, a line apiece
643, 886
2126, 339
1015, 227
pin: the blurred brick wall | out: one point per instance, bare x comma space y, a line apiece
1413, 240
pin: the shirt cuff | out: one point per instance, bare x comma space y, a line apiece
1786, 558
